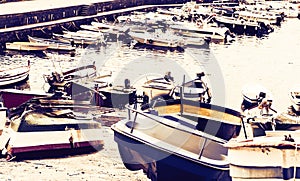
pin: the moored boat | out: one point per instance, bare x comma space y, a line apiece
77, 39
155, 40
53, 44
115, 96
240, 25
271, 157
14, 75
203, 30
102, 27
196, 89
158, 87
26, 46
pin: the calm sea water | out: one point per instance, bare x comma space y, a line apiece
272, 61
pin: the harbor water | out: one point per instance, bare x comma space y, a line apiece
272, 61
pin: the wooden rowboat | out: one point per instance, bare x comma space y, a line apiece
53, 44
26, 46
14, 75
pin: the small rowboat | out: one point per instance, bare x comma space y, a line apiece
26, 46
53, 44
14, 75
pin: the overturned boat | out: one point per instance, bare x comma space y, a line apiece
176, 140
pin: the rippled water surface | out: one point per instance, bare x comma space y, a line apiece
272, 61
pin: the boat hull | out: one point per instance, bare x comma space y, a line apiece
53, 45
155, 42
163, 165
116, 99
14, 98
265, 158
43, 144
13, 76
26, 46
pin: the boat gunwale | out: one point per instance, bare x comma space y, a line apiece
223, 167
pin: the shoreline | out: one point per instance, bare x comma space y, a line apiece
105, 164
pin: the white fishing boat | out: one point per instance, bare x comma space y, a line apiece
78, 39
26, 46
275, 156
156, 39
167, 144
14, 75
84, 34
241, 25
134, 17
52, 44
196, 89
261, 16
203, 30
158, 86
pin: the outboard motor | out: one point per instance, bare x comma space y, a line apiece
253, 95
127, 84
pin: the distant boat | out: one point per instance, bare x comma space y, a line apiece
40, 133
215, 34
102, 27
167, 144
53, 44
26, 46
155, 40
78, 39
272, 157
83, 34
14, 75
240, 25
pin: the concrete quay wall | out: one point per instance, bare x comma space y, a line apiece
15, 26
